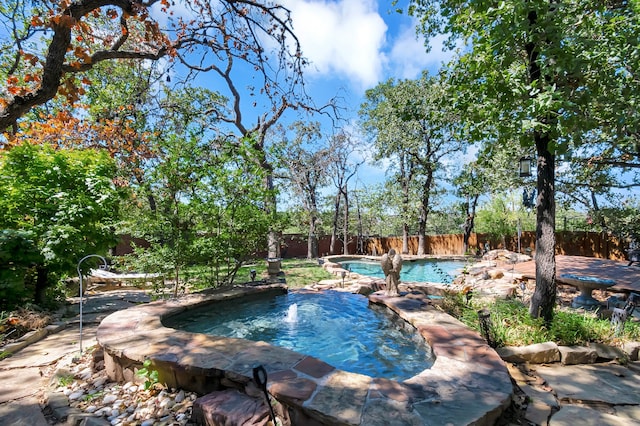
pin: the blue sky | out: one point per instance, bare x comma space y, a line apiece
352, 45
355, 44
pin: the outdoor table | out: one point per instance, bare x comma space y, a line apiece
586, 284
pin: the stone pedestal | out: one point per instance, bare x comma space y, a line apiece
274, 266
586, 284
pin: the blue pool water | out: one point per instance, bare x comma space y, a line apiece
423, 270
339, 328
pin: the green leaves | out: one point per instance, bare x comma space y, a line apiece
56, 205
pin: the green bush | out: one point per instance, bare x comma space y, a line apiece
18, 254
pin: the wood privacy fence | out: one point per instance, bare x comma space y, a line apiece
590, 244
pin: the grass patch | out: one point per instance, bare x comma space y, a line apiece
513, 326
298, 272
65, 380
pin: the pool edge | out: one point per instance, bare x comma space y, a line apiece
468, 383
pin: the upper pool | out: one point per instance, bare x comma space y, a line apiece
421, 270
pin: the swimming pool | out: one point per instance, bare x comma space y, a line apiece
422, 270
341, 329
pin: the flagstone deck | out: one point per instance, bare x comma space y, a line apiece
468, 383
627, 278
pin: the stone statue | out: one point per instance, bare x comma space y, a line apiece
391, 265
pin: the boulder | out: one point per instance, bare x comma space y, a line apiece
230, 407
572, 355
539, 353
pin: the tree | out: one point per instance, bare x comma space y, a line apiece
305, 166
77, 35
342, 168
65, 199
540, 72
230, 43
197, 196
470, 185
410, 121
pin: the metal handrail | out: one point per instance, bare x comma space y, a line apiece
105, 266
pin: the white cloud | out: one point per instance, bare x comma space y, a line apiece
409, 57
342, 38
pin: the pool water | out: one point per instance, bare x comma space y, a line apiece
423, 270
339, 328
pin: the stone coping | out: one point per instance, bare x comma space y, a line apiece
468, 383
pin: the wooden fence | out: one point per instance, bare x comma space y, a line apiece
590, 244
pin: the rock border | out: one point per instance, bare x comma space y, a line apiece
468, 383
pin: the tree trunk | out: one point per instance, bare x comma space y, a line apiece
405, 238
469, 222
334, 227
544, 298
345, 225
273, 246
424, 211
406, 176
312, 241
360, 241
42, 282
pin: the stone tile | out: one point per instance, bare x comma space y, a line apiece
297, 390
631, 412
384, 388
23, 412
273, 358
16, 386
538, 395
342, 397
459, 336
517, 374
608, 383
538, 413
461, 407
230, 407
571, 415
385, 413
283, 375
314, 367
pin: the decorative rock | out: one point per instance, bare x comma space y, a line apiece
108, 399
76, 395
571, 355
103, 411
180, 396
148, 422
536, 354
494, 274
85, 374
632, 349
608, 352
98, 383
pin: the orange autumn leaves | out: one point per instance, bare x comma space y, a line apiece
88, 38
63, 130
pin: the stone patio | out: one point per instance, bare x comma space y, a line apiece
468, 383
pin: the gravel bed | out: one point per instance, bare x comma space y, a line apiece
86, 385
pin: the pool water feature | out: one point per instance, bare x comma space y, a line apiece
422, 270
341, 329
